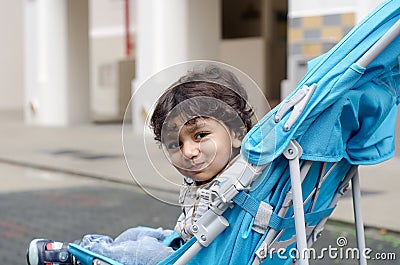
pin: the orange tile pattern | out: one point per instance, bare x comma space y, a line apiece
311, 36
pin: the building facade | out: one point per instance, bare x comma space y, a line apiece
66, 60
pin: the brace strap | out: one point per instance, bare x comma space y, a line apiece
262, 218
251, 205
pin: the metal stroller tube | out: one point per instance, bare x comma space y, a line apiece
380, 45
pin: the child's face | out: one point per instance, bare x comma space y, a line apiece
200, 148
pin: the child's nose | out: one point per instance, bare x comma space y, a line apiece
190, 149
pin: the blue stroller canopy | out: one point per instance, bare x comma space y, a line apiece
352, 112
348, 120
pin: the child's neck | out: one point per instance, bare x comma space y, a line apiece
200, 183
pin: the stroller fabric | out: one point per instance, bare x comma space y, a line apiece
349, 120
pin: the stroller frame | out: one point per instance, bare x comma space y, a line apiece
213, 223
241, 175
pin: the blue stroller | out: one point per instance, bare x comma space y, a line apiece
279, 193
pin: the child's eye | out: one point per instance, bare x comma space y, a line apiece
201, 135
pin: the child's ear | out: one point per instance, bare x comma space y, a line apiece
237, 138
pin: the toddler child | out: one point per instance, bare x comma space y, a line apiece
200, 122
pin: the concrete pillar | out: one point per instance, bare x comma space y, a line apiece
11, 56
268, 36
170, 32
56, 62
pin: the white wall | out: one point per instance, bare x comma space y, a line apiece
11, 55
318, 7
365, 7
105, 53
250, 62
107, 17
107, 47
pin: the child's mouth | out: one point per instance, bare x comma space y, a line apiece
196, 167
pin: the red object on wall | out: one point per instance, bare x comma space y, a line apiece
128, 44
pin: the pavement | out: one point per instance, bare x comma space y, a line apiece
83, 168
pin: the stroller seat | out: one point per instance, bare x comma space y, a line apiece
298, 160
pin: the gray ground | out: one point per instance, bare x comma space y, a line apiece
37, 203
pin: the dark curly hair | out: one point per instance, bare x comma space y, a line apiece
211, 82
